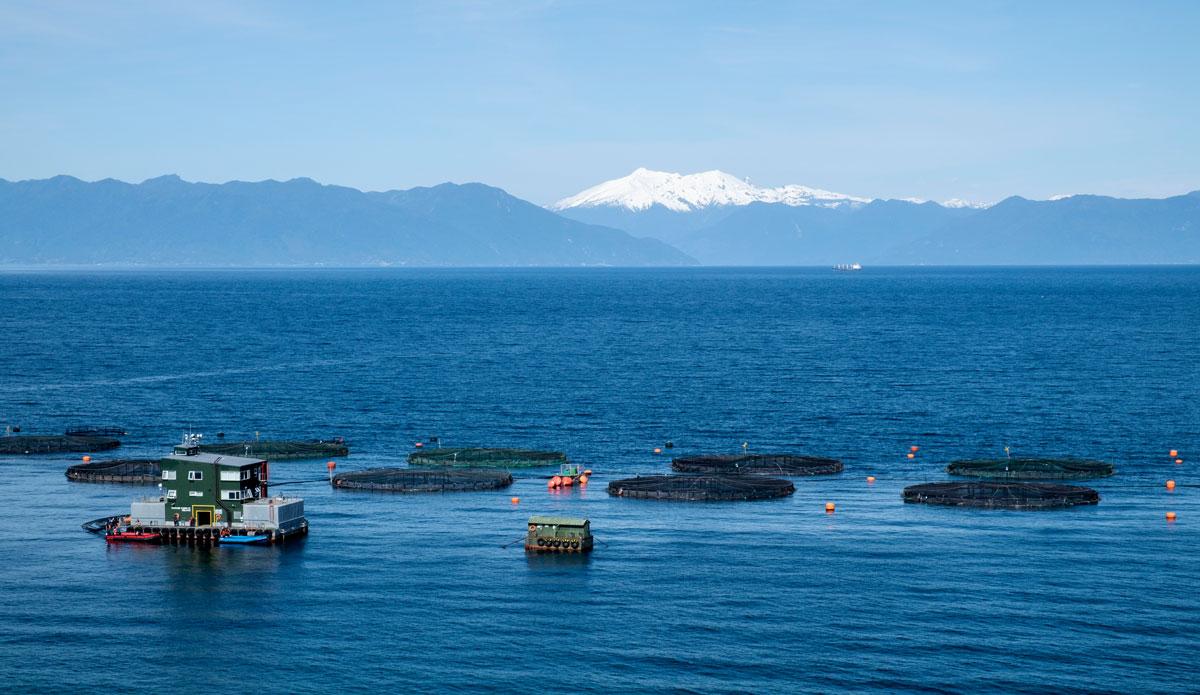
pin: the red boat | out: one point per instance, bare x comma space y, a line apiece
131, 537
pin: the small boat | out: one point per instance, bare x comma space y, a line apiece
848, 267
245, 540
131, 537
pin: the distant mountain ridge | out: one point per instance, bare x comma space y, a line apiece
167, 221
720, 220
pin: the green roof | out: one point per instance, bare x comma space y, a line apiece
557, 521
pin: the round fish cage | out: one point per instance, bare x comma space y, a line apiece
1001, 495
479, 457
758, 464
146, 471
422, 480
279, 450
55, 444
1032, 468
699, 488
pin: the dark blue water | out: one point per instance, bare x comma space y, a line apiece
415, 593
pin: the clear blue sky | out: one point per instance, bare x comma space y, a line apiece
976, 100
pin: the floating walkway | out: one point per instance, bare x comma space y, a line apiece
136, 471
1032, 468
279, 450
423, 480
1001, 495
758, 464
701, 488
487, 458
55, 444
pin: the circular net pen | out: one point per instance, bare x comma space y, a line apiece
419, 480
278, 450
1001, 495
147, 471
55, 444
1032, 468
701, 488
487, 458
758, 464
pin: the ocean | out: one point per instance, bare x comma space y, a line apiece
424, 593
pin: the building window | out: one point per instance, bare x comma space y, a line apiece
195, 493
246, 474
170, 494
233, 494
168, 475
195, 475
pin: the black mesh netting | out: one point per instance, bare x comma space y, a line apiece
117, 471
694, 488
420, 480
1032, 468
278, 450
769, 464
491, 458
1001, 495
53, 444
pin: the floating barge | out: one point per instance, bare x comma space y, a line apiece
208, 499
558, 534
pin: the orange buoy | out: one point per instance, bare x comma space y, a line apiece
1178, 460
1170, 484
552, 483
568, 480
515, 500
870, 479
588, 472
829, 507
912, 456
657, 450
331, 465
418, 445
914, 449
1174, 453
583, 479
1170, 516
87, 458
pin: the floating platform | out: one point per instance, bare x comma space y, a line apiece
487, 458
1032, 468
700, 488
558, 534
136, 471
423, 480
279, 450
55, 444
1001, 495
758, 464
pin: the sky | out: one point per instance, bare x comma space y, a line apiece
935, 100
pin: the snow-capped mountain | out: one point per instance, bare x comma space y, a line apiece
644, 189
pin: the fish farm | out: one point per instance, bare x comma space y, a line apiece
487, 458
1000, 495
95, 431
758, 464
145, 471
701, 488
1032, 468
55, 444
279, 450
423, 480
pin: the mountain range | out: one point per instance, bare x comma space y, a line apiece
648, 218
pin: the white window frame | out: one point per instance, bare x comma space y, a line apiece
195, 475
195, 493
170, 494
169, 474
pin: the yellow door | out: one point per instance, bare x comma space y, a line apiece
203, 514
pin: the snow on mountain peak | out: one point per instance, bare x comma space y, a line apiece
645, 188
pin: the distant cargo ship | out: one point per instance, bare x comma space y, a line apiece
846, 267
